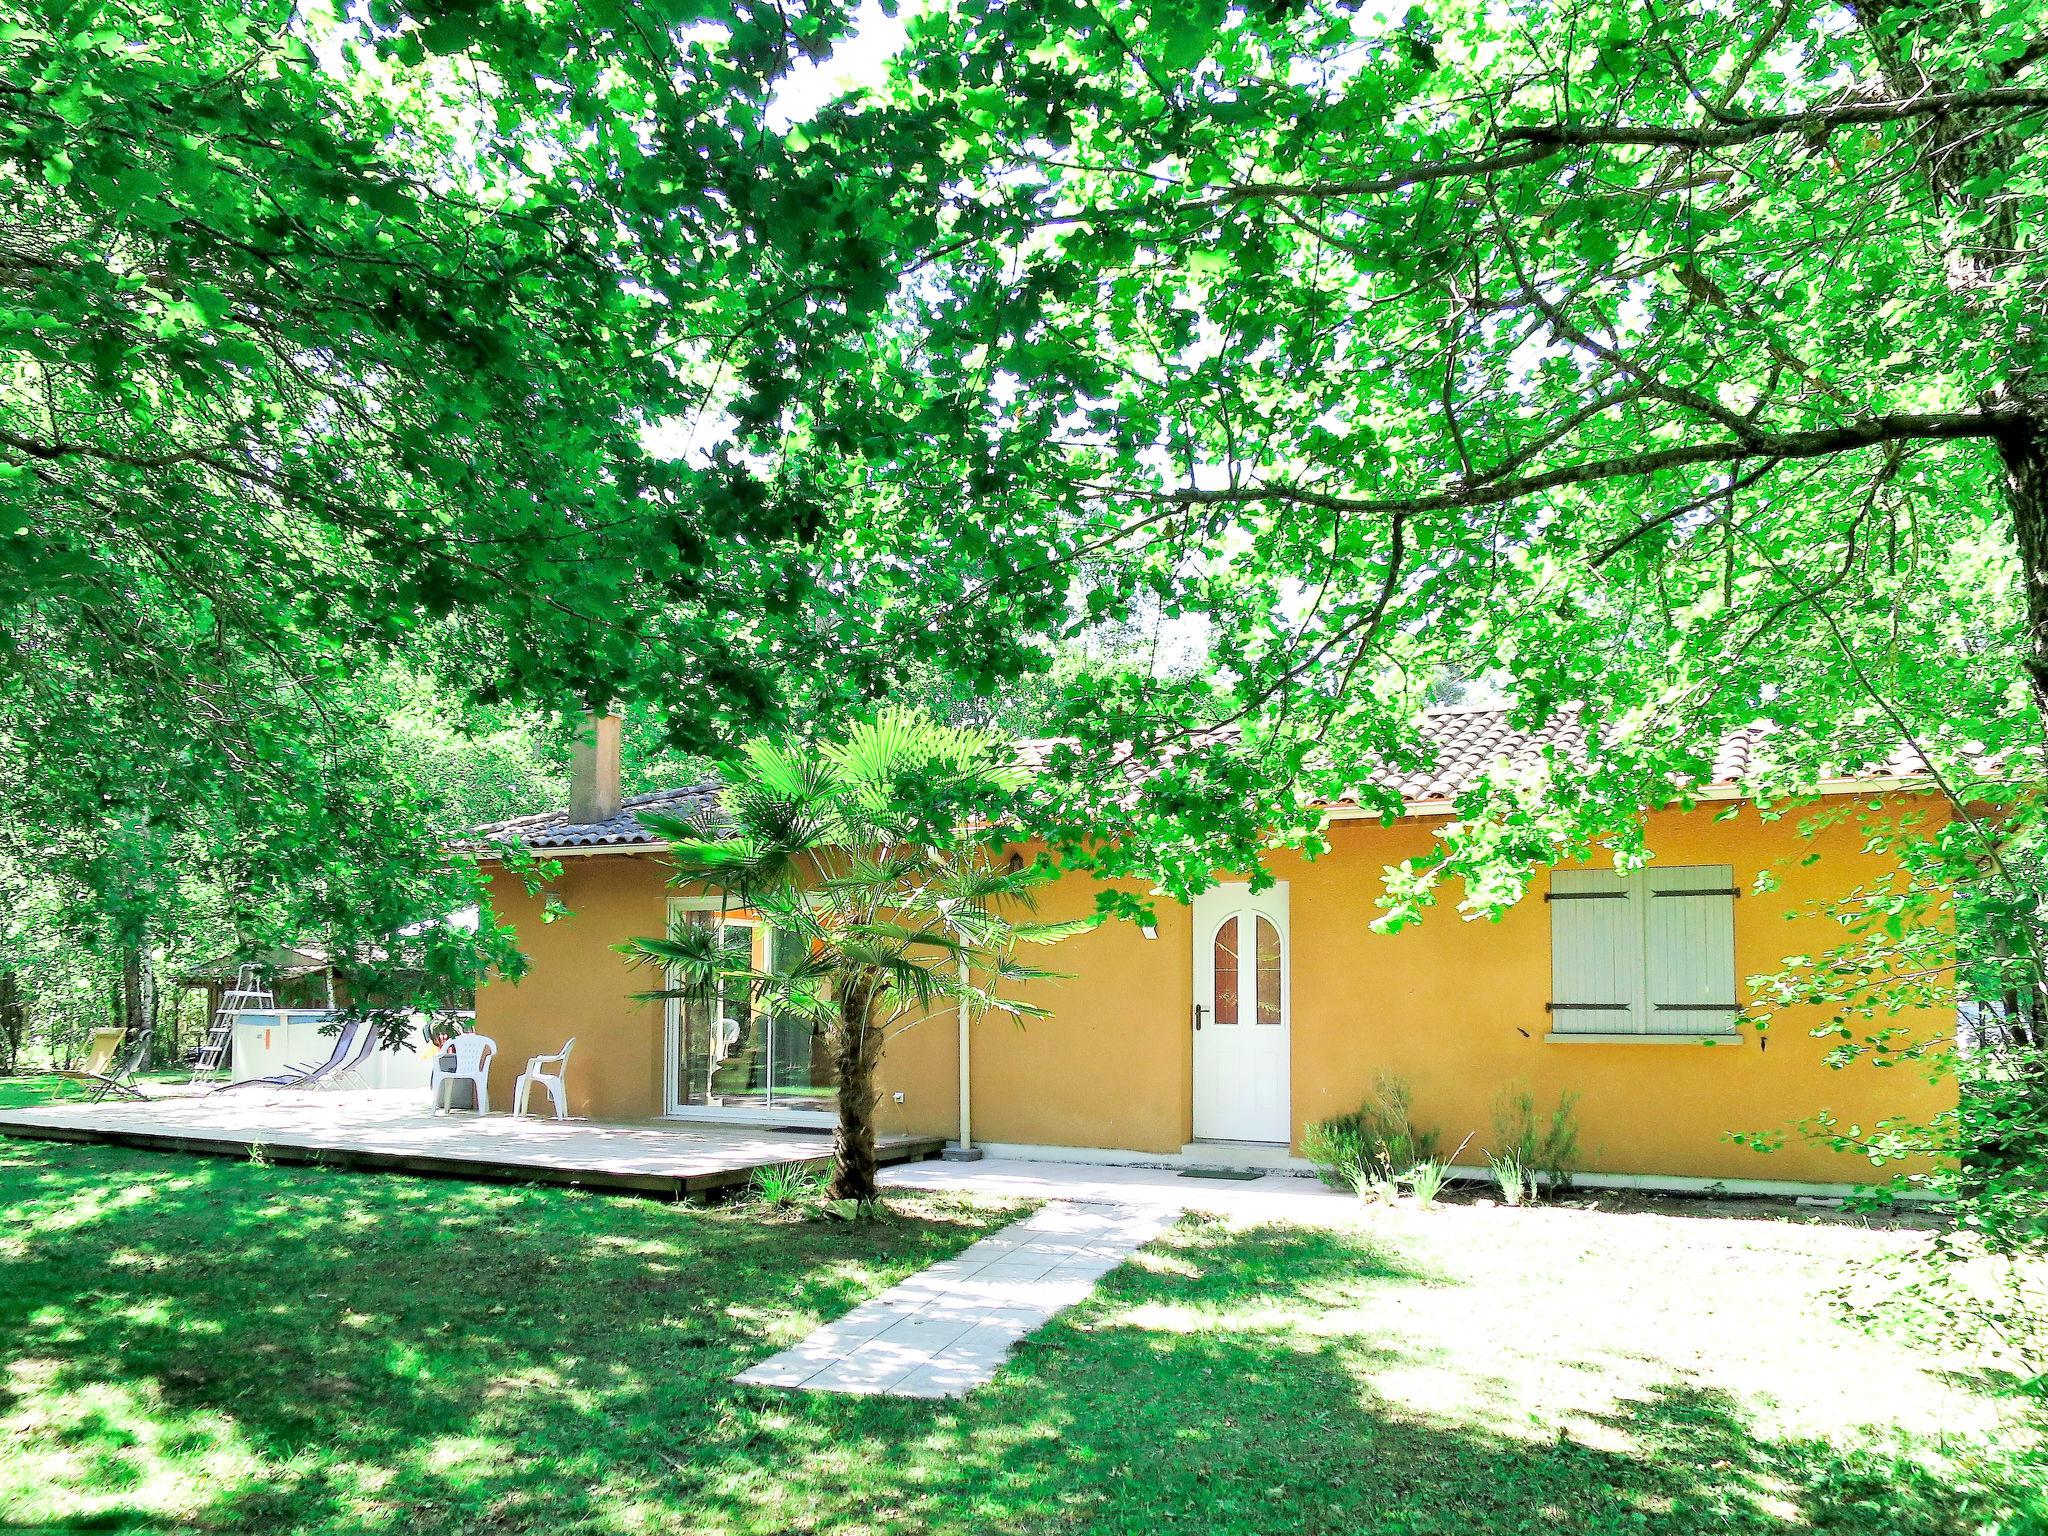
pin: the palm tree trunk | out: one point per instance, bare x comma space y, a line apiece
860, 1052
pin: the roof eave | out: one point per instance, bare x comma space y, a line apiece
1418, 809
1446, 806
492, 856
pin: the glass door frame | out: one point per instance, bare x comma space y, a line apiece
672, 1065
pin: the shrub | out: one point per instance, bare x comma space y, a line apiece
1429, 1175
1344, 1154
1372, 1148
1548, 1149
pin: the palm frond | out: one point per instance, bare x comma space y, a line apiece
865, 874
787, 771
1011, 971
807, 998
986, 883
1052, 933
671, 828
912, 986
880, 751
1017, 1009
736, 864
903, 935
795, 824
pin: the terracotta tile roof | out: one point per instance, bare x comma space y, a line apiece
1466, 743
547, 830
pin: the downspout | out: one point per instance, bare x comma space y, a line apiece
966, 1152
966, 1072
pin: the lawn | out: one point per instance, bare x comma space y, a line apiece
37, 1089
200, 1346
49, 1088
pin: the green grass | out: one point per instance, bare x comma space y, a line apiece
48, 1088
204, 1346
18, 1092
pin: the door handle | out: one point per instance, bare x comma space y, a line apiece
1198, 1016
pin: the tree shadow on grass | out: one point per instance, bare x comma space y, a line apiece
319, 1350
1134, 1417
208, 1347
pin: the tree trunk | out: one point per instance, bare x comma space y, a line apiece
13, 1019
2023, 450
1956, 151
860, 1052
136, 996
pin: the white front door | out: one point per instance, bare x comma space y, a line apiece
1243, 979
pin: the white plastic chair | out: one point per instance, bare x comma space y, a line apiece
725, 1034
552, 1081
473, 1053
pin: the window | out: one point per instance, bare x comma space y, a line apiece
1262, 975
1226, 972
1651, 953
1268, 994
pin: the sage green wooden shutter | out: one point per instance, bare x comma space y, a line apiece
1689, 950
1596, 948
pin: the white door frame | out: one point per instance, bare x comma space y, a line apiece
672, 1052
1241, 1086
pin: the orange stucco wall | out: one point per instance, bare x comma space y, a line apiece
1453, 1007
1456, 1009
577, 985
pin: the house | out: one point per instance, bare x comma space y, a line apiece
1242, 1017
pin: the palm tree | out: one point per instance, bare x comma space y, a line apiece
878, 858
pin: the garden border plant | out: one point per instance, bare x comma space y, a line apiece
1374, 1148
1542, 1154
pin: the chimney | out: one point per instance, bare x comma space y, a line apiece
594, 771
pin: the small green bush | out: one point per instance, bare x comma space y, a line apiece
1371, 1149
1549, 1148
1426, 1181
1337, 1148
1429, 1175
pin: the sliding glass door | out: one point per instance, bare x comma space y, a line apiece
729, 1056
801, 1072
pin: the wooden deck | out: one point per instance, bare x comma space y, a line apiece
396, 1131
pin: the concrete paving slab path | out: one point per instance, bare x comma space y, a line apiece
1275, 1196
949, 1328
